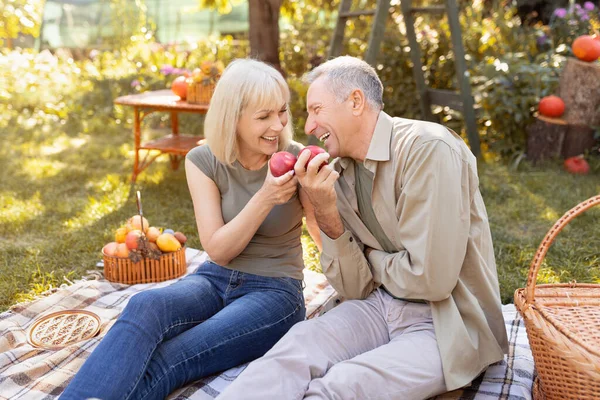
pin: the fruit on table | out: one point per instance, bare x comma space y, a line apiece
282, 162
135, 223
180, 237
110, 249
551, 106
132, 239
577, 165
167, 243
120, 234
586, 48
179, 87
314, 151
152, 233
122, 250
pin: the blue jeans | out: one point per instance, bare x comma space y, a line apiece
205, 323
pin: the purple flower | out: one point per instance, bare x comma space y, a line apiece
135, 83
166, 69
542, 40
560, 12
180, 71
588, 5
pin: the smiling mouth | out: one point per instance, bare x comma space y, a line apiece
324, 137
269, 138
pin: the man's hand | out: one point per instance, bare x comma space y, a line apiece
319, 186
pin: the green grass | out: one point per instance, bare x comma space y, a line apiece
65, 189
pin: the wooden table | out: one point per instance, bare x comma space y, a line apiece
176, 145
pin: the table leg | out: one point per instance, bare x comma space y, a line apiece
137, 138
174, 123
175, 129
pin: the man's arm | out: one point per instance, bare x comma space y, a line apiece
342, 259
433, 227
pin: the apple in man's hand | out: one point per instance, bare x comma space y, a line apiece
281, 163
314, 151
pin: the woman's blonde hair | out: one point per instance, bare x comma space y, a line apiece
244, 83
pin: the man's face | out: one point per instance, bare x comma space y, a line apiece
330, 121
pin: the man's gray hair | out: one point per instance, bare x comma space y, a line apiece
346, 74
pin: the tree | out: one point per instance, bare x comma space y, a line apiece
19, 17
264, 30
264, 26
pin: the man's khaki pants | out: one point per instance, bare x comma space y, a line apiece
377, 348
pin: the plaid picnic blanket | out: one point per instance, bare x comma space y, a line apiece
27, 372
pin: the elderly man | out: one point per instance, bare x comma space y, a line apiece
406, 240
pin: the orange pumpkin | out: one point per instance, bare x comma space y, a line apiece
577, 165
551, 106
179, 87
586, 48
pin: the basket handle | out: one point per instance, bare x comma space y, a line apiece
549, 238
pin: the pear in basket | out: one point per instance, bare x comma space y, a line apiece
168, 243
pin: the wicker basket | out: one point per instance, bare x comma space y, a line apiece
199, 93
563, 327
123, 270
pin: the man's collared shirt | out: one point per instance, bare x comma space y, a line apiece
426, 198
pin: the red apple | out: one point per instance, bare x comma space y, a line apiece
110, 249
281, 163
577, 165
131, 240
180, 237
314, 151
122, 250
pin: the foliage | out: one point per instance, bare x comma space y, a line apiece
571, 22
66, 154
20, 17
507, 90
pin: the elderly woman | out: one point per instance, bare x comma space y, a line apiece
241, 301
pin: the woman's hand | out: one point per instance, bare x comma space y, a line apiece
278, 190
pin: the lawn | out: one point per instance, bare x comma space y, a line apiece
65, 191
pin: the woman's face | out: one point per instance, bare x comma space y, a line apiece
259, 129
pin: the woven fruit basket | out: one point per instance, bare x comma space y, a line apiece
142, 254
199, 92
563, 327
124, 270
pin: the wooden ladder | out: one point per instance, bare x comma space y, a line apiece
460, 100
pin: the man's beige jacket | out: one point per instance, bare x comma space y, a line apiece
426, 198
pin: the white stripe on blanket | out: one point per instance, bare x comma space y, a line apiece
29, 373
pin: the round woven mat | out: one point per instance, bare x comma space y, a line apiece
63, 328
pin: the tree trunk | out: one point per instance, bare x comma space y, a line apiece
580, 90
545, 138
264, 31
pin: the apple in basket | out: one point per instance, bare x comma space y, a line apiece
135, 223
110, 249
281, 162
132, 239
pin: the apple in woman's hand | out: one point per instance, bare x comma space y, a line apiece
314, 151
281, 162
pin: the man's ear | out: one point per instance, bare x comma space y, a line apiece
358, 102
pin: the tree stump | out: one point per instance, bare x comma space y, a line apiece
545, 138
579, 88
578, 139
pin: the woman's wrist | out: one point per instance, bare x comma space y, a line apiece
262, 200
